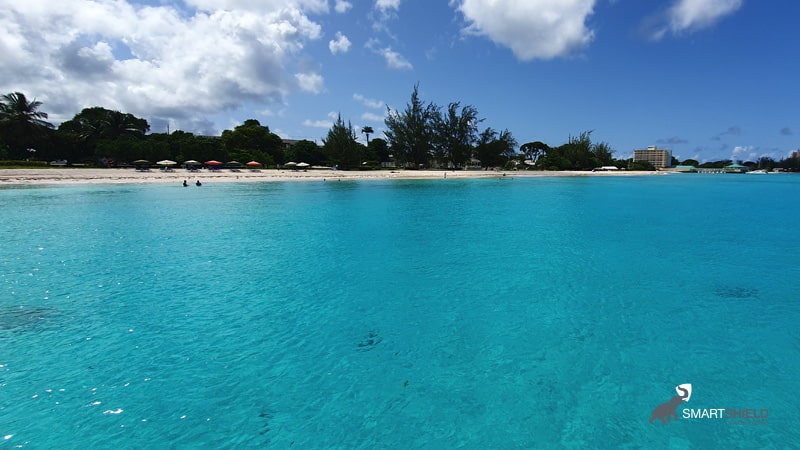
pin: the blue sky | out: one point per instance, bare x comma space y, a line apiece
708, 79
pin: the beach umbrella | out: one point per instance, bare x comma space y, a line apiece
213, 162
233, 164
166, 162
141, 162
253, 164
290, 164
191, 162
302, 164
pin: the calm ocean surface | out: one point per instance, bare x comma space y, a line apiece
492, 313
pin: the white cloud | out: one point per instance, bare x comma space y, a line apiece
310, 82
339, 45
693, 15
342, 6
747, 152
318, 123
314, 6
395, 60
372, 117
532, 29
368, 102
157, 61
385, 5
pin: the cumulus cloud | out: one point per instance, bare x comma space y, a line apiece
339, 45
532, 29
157, 61
747, 152
310, 82
385, 5
368, 102
342, 6
318, 123
693, 15
395, 60
372, 117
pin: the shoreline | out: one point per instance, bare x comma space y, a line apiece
131, 176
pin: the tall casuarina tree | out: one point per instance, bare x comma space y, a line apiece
410, 133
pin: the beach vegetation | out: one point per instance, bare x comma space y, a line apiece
410, 132
367, 130
421, 135
341, 146
642, 165
578, 153
425, 135
378, 151
495, 149
306, 151
532, 151
253, 141
23, 127
455, 133
92, 124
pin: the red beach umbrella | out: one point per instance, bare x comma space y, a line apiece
213, 162
254, 164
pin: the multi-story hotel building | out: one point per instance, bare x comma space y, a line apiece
659, 158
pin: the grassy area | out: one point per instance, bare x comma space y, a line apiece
20, 164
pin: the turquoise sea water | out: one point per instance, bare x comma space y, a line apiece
491, 313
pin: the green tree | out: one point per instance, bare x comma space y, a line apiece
101, 123
378, 150
22, 125
341, 145
305, 151
534, 150
603, 154
642, 165
104, 134
251, 140
455, 133
579, 153
495, 149
410, 133
367, 130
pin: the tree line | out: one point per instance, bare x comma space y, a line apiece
422, 135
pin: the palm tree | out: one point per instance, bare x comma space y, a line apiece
116, 124
367, 130
21, 124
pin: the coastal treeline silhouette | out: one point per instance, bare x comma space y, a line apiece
421, 135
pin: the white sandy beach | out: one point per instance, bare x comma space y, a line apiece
132, 176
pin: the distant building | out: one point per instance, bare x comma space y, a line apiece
735, 168
659, 158
288, 143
